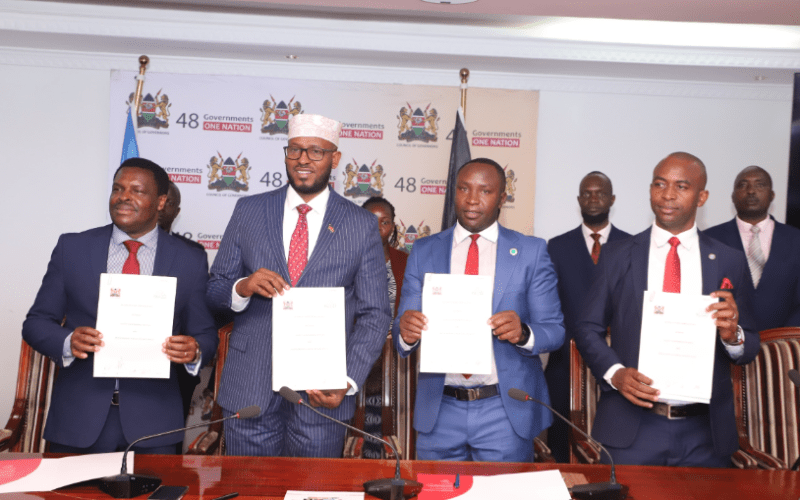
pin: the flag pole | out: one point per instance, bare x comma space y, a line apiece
464, 73
137, 98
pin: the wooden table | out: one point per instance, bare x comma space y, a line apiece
211, 477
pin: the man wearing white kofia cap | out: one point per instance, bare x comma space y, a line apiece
303, 234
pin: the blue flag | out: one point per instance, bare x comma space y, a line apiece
459, 155
130, 149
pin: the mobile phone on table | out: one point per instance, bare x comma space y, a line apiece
169, 493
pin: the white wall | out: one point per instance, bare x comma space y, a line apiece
54, 144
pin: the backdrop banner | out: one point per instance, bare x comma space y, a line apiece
221, 138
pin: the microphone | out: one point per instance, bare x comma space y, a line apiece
126, 485
795, 378
395, 488
610, 490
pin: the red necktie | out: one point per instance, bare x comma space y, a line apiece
472, 267
131, 265
472, 256
298, 247
595, 247
672, 271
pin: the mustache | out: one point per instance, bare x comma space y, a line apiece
125, 204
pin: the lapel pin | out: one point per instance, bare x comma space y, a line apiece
330, 228
513, 252
712, 256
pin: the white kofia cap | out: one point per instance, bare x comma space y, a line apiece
305, 125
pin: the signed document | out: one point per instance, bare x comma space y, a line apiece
308, 339
458, 338
677, 345
135, 315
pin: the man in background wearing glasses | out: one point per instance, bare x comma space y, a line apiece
303, 234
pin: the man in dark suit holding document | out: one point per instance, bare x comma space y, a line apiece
91, 414
671, 256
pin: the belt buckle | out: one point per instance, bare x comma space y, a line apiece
115, 399
669, 414
473, 393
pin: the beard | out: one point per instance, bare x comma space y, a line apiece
317, 187
594, 220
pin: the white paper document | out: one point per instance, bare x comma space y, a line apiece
323, 495
308, 339
458, 338
677, 345
46, 474
541, 485
135, 315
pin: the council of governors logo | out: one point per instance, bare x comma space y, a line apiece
275, 115
418, 125
153, 111
511, 187
363, 181
228, 174
407, 236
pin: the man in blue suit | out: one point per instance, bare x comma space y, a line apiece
771, 249
575, 255
95, 415
671, 256
301, 235
471, 417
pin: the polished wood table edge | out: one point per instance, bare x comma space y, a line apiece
209, 477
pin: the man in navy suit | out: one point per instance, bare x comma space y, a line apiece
671, 256
471, 417
263, 253
95, 415
771, 249
575, 255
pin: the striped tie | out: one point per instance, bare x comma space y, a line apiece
755, 256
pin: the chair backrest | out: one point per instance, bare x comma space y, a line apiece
212, 441
766, 400
35, 376
584, 393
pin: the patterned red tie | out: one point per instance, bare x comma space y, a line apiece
298, 247
472, 256
596, 247
131, 265
472, 267
672, 271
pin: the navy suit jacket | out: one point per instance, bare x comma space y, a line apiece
524, 282
348, 254
70, 289
575, 270
776, 301
615, 299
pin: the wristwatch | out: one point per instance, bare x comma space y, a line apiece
739, 337
526, 335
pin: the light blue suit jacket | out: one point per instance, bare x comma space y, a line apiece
348, 254
524, 282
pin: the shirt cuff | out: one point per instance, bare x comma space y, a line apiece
610, 373
238, 303
405, 346
353, 387
66, 353
528, 346
194, 368
734, 351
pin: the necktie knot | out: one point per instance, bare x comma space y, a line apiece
132, 246
303, 209
474, 237
596, 237
674, 241
755, 230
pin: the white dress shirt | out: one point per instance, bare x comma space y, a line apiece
691, 276
487, 258
587, 236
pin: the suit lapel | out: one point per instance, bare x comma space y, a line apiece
709, 265
334, 216
165, 253
505, 264
99, 251
273, 227
640, 260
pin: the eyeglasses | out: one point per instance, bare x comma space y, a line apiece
314, 153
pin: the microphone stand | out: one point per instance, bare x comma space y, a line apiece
125, 485
395, 488
610, 490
